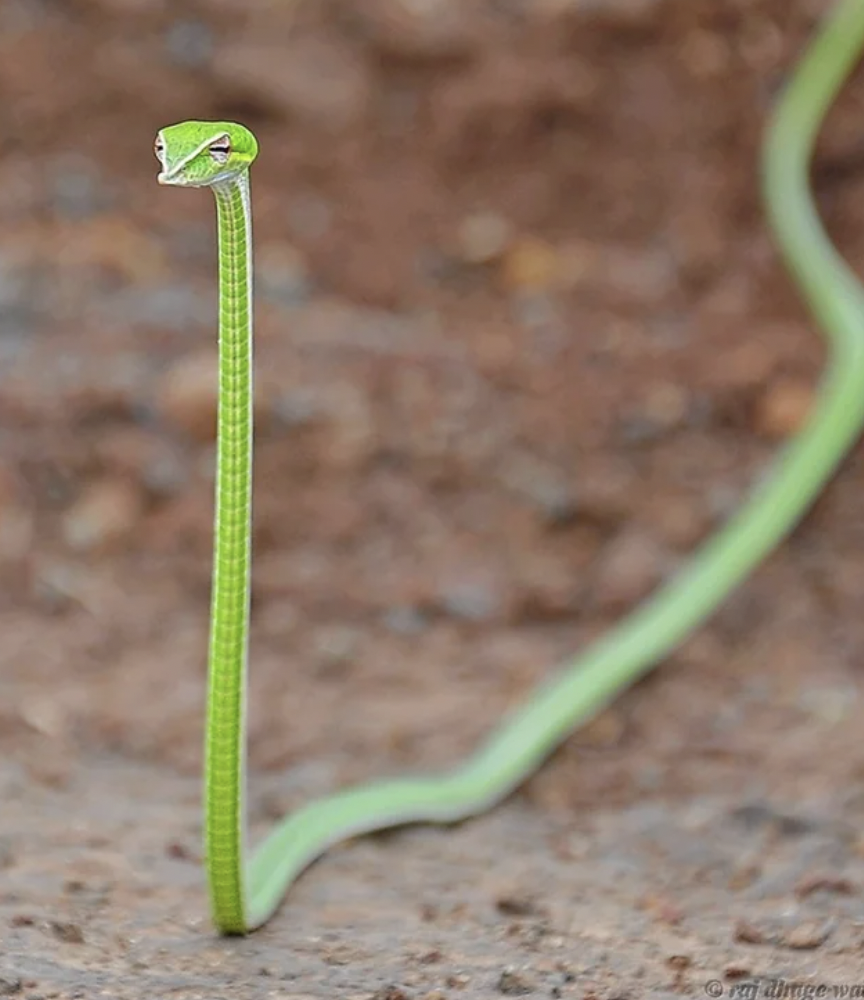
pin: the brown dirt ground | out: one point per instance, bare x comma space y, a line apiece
523, 342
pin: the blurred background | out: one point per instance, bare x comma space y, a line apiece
522, 343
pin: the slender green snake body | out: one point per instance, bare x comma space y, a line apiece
245, 893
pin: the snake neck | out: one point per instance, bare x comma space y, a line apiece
225, 764
234, 221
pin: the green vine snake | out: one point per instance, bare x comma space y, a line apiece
244, 893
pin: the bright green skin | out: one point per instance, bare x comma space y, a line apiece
245, 895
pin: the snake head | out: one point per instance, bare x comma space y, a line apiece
204, 154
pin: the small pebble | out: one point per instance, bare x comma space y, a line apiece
335, 648
808, 935
607, 493
281, 274
179, 851
405, 621
783, 410
542, 485
105, 513
79, 191
390, 993
605, 731
678, 521
747, 933
187, 395
666, 405
627, 569
679, 962
483, 237
737, 971
530, 265
351, 435
68, 932
515, 984
824, 883
665, 911
473, 602
517, 906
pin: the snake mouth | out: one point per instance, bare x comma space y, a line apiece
168, 179
174, 179
178, 178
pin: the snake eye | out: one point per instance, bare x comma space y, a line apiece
158, 148
220, 149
